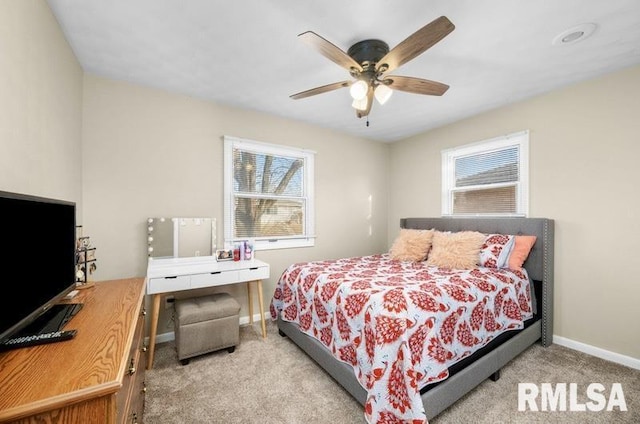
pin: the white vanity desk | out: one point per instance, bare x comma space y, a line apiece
177, 274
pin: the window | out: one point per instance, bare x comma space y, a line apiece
487, 178
268, 193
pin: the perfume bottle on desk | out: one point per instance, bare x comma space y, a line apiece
248, 250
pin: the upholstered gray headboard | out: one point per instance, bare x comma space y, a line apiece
539, 264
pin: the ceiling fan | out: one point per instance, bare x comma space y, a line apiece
369, 61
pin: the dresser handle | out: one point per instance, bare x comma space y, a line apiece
132, 368
144, 348
144, 387
144, 312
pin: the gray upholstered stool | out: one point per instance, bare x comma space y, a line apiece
206, 323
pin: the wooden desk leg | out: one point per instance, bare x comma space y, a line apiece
155, 310
250, 302
261, 303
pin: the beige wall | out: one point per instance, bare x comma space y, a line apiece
584, 173
125, 152
152, 153
40, 105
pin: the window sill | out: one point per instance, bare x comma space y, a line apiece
283, 244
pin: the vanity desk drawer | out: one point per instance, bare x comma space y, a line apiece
169, 283
212, 279
254, 273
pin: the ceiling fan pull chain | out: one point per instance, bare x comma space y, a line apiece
367, 120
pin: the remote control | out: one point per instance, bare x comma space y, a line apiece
37, 339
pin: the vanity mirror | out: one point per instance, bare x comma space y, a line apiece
180, 237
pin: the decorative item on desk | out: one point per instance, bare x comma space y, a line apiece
224, 255
248, 250
243, 250
85, 260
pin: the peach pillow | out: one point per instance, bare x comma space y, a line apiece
459, 250
412, 245
520, 251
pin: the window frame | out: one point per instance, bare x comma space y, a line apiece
305, 240
518, 139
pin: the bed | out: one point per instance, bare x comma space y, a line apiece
436, 393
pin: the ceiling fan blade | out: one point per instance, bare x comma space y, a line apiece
416, 85
365, 112
320, 90
416, 44
330, 51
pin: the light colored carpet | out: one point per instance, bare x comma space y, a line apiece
273, 382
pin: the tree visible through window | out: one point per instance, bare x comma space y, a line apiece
268, 192
487, 178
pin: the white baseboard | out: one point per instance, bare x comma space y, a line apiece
163, 338
598, 352
167, 337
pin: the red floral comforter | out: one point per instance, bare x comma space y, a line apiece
400, 324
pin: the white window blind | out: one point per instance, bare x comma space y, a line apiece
487, 178
268, 194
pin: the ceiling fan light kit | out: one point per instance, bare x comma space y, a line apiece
359, 90
382, 93
368, 61
360, 104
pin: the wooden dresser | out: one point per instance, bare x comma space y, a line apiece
96, 377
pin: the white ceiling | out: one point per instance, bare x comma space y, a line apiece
245, 53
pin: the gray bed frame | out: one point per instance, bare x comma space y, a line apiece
539, 266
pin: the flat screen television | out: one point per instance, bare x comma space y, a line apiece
37, 259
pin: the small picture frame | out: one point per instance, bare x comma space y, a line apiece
224, 255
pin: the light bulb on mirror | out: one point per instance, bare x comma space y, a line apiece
150, 229
150, 239
359, 90
383, 93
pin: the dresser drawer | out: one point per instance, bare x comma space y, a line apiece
129, 398
213, 279
167, 284
136, 406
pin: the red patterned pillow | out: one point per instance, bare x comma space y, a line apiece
495, 250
